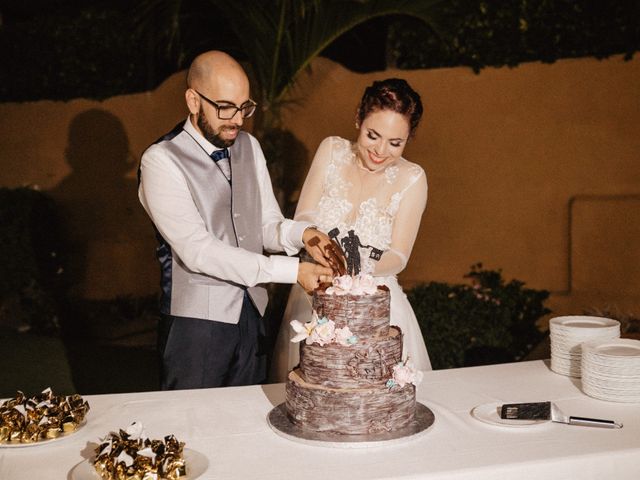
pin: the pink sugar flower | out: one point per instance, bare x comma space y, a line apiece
323, 333
404, 372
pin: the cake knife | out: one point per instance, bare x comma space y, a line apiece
550, 411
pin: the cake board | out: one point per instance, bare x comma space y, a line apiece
280, 423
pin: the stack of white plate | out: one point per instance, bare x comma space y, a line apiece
611, 369
567, 335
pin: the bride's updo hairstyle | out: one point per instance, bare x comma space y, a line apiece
393, 94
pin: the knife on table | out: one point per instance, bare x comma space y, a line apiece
550, 411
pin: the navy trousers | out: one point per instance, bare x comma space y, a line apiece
198, 353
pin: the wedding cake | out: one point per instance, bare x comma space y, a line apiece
351, 379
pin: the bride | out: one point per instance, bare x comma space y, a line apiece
368, 190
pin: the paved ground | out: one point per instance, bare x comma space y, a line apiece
120, 359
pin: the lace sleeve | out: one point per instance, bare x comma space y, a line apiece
405, 228
307, 209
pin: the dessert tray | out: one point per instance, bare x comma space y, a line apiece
611, 370
567, 335
45, 418
44, 441
280, 424
195, 461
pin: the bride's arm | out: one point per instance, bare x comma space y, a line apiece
311, 193
317, 243
405, 229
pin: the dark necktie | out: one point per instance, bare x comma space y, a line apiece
224, 165
217, 155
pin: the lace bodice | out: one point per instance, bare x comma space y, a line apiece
383, 208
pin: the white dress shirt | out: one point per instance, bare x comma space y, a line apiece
165, 196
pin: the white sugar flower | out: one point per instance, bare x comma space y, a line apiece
345, 337
362, 284
341, 285
303, 330
323, 333
367, 284
343, 282
404, 372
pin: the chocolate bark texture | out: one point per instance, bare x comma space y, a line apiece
347, 389
365, 315
349, 411
366, 363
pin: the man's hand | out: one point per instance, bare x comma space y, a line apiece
310, 275
324, 251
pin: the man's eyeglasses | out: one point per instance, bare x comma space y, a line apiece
227, 112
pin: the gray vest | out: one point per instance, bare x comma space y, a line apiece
232, 213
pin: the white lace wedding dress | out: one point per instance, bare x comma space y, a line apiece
384, 209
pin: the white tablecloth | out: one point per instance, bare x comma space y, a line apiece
229, 427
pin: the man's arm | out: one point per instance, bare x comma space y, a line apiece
165, 196
281, 234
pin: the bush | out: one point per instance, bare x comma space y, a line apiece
478, 33
486, 321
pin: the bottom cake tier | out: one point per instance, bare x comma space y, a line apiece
349, 411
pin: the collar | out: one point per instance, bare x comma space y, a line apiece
206, 145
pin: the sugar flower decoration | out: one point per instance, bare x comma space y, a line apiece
303, 330
341, 285
403, 373
345, 337
325, 332
322, 331
362, 284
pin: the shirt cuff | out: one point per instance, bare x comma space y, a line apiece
285, 269
294, 236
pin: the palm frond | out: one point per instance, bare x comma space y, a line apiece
327, 22
148, 15
281, 37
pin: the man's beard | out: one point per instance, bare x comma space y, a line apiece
211, 135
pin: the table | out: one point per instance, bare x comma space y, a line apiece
228, 426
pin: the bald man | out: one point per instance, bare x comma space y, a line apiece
206, 188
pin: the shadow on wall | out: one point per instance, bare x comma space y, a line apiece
287, 160
105, 228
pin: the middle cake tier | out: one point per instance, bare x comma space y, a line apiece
365, 363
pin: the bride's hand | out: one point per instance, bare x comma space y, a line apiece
324, 251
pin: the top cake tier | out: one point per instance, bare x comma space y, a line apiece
365, 315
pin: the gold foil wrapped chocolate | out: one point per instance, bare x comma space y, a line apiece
39, 418
130, 455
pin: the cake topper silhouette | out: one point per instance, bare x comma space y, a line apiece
350, 246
